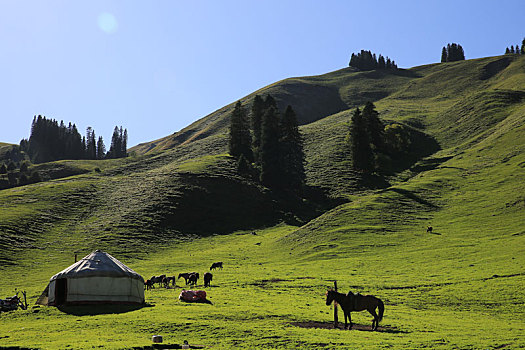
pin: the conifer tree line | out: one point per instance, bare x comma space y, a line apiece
516, 49
268, 144
51, 141
17, 174
366, 60
452, 52
368, 139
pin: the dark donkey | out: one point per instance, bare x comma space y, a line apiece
357, 302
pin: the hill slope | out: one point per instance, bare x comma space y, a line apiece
459, 287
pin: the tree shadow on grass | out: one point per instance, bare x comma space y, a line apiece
101, 309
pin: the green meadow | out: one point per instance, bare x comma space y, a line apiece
178, 205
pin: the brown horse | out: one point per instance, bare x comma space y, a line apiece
357, 302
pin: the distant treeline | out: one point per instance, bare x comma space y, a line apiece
268, 147
13, 174
366, 60
452, 52
516, 49
51, 141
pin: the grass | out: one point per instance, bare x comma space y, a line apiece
171, 210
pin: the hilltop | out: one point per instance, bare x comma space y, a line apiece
463, 175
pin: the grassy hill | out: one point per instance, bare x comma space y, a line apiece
178, 205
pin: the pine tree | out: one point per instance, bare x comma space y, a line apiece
101, 148
91, 144
270, 174
291, 152
115, 150
381, 62
240, 137
373, 126
359, 143
257, 111
123, 142
511, 49
444, 55
523, 46
243, 167
23, 167
507, 51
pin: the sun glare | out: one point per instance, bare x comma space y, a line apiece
107, 22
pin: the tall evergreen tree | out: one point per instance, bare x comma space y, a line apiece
292, 156
257, 112
511, 48
381, 62
373, 126
523, 46
507, 51
124, 144
270, 174
118, 148
91, 144
101, 148
359, 143
444, 55
240, 137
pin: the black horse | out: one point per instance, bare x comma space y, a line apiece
357, 302
207, 279
216, 265
186, 276
193, 278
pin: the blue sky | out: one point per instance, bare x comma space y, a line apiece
156, 66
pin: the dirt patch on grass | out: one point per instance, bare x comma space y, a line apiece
356, 326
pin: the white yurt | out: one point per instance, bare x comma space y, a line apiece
98, 278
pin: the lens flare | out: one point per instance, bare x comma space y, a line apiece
107, 23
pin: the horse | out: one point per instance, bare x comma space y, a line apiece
207, 279
166, 281
357, 302
216, 265
194, 276
148, 285
157, 279
429, 229
187, 275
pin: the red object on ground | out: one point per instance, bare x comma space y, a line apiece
192, 295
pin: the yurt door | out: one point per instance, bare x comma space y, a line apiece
60, 291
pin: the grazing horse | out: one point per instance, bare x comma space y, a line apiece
187, 276
194, 276
157, 279
148, 285
207, 279
357, 302
216, 265
166, 281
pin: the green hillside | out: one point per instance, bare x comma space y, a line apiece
178, 205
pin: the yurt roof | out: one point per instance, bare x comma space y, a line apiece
99, 264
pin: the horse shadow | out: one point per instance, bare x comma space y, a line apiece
356, 326
91, 310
